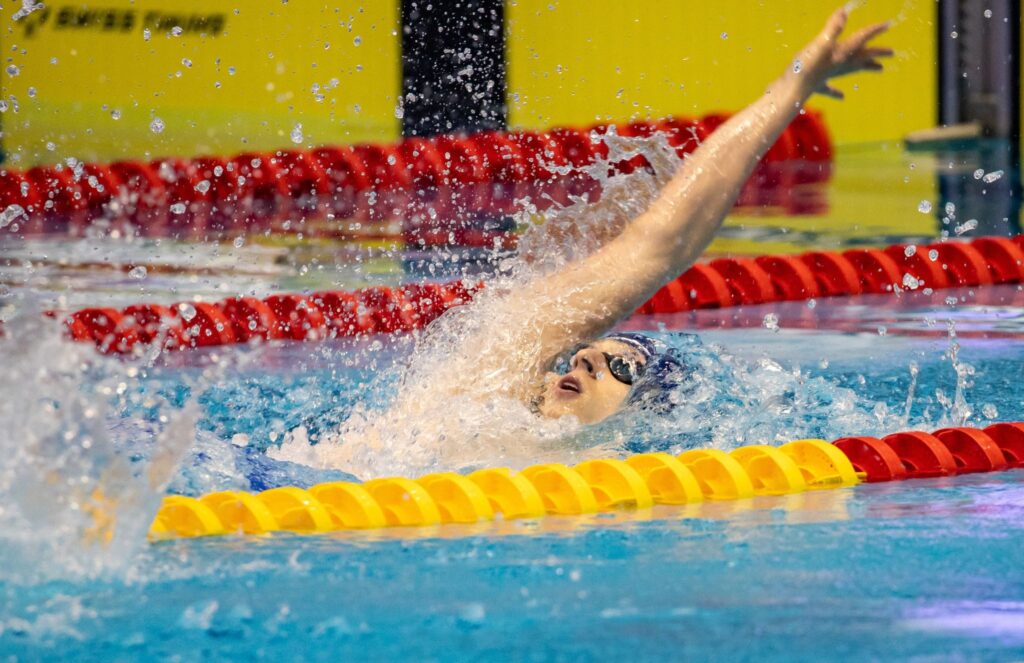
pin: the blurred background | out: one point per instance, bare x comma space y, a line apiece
113, 80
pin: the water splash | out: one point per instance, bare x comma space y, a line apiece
73, 505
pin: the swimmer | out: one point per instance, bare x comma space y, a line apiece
603, 374
514, 374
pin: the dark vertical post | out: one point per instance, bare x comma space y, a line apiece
979, 81
453, 66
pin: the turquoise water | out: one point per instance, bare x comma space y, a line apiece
918, 570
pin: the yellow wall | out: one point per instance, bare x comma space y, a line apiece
81, 76
574, 61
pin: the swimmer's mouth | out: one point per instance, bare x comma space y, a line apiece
569, 385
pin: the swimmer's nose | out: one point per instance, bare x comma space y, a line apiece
590, 361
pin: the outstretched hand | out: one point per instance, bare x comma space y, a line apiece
827, 57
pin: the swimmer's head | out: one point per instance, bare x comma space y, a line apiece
596, 380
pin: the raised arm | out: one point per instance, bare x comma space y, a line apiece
590, 296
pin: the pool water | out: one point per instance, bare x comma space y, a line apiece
919, 570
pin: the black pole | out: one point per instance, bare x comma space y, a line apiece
453, 66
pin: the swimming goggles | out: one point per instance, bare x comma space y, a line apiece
622, 369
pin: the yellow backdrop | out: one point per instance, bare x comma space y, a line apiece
91, 79
576, 61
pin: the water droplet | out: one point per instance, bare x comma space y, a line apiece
157, 125
186, 62
988, 14
989, 411
992, 177
187, 311
231, 71
933, 255
399, 111
10, 213
138, 273
910, 282
725, 35
771, 322
924, 207
12, 70
203, 186
32, 93
176, 31
296, 136
979, 173
910, 250
797, 66
239, 242
178, 208
882, 331
357, 41
115, 114
966, 226
146, 34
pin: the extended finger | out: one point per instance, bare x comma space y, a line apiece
864, 35
835, 24
875, 52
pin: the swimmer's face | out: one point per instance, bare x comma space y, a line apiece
589, 389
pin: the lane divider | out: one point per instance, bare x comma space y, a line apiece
721, 283
638, 482
428, 181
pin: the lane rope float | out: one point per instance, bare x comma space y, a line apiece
637, 482
431, 182
721, 283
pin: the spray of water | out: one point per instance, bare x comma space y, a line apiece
73, 504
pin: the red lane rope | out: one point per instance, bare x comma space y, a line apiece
433, 181
945, 452
721, 283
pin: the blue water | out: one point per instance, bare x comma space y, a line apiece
928, 570
918, 570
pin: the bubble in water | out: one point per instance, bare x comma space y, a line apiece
231, 71
138, 272
933, 255
979, 173
13, 70
987, 13
797, 66
176, 31
771, 321
115, 114
992, 177
32, 93
910, 250
187, 311
989, 411
950, 210
297, 137
157, 125
357, 41
186, 62
399, 111
924, 207
146, 34
203, 186
239, 242
725, 35
178, 208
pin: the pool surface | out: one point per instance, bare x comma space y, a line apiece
915, 570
